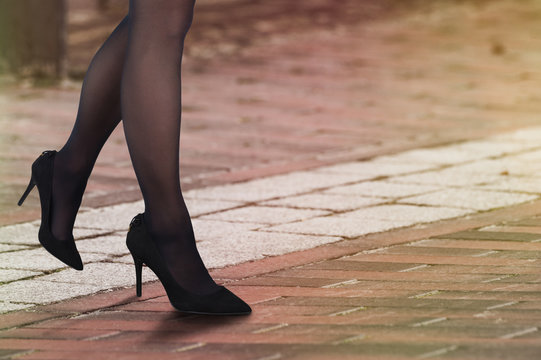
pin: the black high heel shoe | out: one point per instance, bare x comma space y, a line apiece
42, 176
143, 250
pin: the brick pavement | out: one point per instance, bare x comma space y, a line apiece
456, 289
406, 273
435, 261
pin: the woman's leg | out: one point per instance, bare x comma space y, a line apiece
98, 115
151, 109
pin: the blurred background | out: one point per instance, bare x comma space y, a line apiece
273, 86
59, 37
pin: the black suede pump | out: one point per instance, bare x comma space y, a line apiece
144, 251
42, 177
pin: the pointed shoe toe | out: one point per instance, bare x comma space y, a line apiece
221, 302
65, 251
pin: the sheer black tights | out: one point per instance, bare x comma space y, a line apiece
136, 76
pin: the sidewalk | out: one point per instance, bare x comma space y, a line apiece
372, 190
422, 254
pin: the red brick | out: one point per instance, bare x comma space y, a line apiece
517, 229
379, 276
279, 262
443, 260
484, 244
20, 318
106, 299
51, 333
270, 337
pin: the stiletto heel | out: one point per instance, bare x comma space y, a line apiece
31, 185
42, 178
138, 275
143, 249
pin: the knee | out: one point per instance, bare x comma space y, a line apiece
179, 19
166, 18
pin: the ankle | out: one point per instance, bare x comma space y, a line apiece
67, 166
168, 225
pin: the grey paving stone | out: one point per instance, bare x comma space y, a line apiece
459, 153
126, 259
249, 245
83, 233
110, 245
443, 155
274, 186
112, 218
11, 274
405, 213
493, 147
264, 214
213, 229
7, 247
529, 185
25, 234
326, 201
103, 275
205, 230
42, 292
38, 259
197, 207
217, 255
504, 166
375, 168
252, 245
448, 177
7, 306
337, 226
93, 257
529, 157
35, 259
530, 134
470, 199
384, 189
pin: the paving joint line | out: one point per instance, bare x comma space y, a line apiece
103, 336
348, 311
341, 283
423, 266
490, 252
424, 295
429, 322
274, 356
270, 328
519, 333
438, 352
498, 306
190, 347
349, 339
503, 277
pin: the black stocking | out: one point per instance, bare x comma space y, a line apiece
151, 109
98, 115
